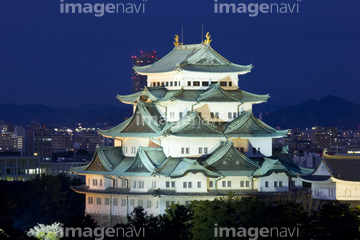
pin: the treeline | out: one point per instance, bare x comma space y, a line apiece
49, 199
44, 199
247, 218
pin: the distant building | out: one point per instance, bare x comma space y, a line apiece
16, 168
87, 140
324, 137
56, 168
146, 58
11, 138
62, 142
38, 142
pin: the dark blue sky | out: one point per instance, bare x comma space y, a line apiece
69, 59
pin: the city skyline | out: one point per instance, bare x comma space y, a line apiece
55, 58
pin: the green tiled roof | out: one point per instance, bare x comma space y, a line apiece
188, 165
281, 161
147, 159
247, 125
192, 125
145, 122
197, 58
227, 159
135, 97
215, 94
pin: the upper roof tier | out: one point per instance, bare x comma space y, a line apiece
193, 58
214, 93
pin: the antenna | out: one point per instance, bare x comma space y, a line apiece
182, 34
202, 33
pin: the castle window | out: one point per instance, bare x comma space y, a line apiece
196, 83
172, 115
134, 184
153, 184
184, 184
205, 150
275, 184
230, 84
211, 184
280, 184
205, 84
157, 204
223, 84
171, 84
190, 184
180, 115
229, 115
98, 200
173, 184
254, 150
223, 183
187, 150
107, 201
189, 83
199, 184
132, 202
148, 204
90, 200
141, 184
175, 84
212, 115
95, 182
242, 184
115, 201
217, 115
242, 150
247, 184
266, 184
167, 203
229, 183
167, 184
167, 84
123, 202
200, 150
140, 203
234, 115
100, 182
182, 150
123, 182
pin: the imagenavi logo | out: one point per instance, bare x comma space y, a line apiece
254, 9
100, 9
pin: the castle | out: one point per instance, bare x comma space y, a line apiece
192, 136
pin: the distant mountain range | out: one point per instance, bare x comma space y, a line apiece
328, 111
89, 115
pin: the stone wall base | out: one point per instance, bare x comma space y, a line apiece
104, 220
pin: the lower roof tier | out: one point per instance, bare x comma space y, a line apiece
226, 160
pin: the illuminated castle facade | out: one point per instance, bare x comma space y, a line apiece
192, 136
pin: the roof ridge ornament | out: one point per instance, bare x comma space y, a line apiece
207, 40
177, 43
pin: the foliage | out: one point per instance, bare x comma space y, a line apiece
175, 223
46, 232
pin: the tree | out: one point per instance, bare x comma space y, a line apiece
335, 220
176, 223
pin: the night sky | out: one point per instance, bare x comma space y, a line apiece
55, 59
